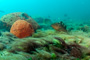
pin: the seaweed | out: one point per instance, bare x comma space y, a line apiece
72, 49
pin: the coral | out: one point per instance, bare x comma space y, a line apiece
59, 26
22, 29
9, 19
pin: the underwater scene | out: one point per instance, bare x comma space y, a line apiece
44, 29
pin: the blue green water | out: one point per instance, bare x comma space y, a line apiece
55, 9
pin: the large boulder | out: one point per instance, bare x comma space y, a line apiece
9, 19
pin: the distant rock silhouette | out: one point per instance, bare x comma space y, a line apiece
2, 11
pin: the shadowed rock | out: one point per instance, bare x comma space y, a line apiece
2, 11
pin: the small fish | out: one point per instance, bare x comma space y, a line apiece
2, 11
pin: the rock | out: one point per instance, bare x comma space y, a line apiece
45, 26
4, 26
9, 19
47, 21
21, 29
39, 19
